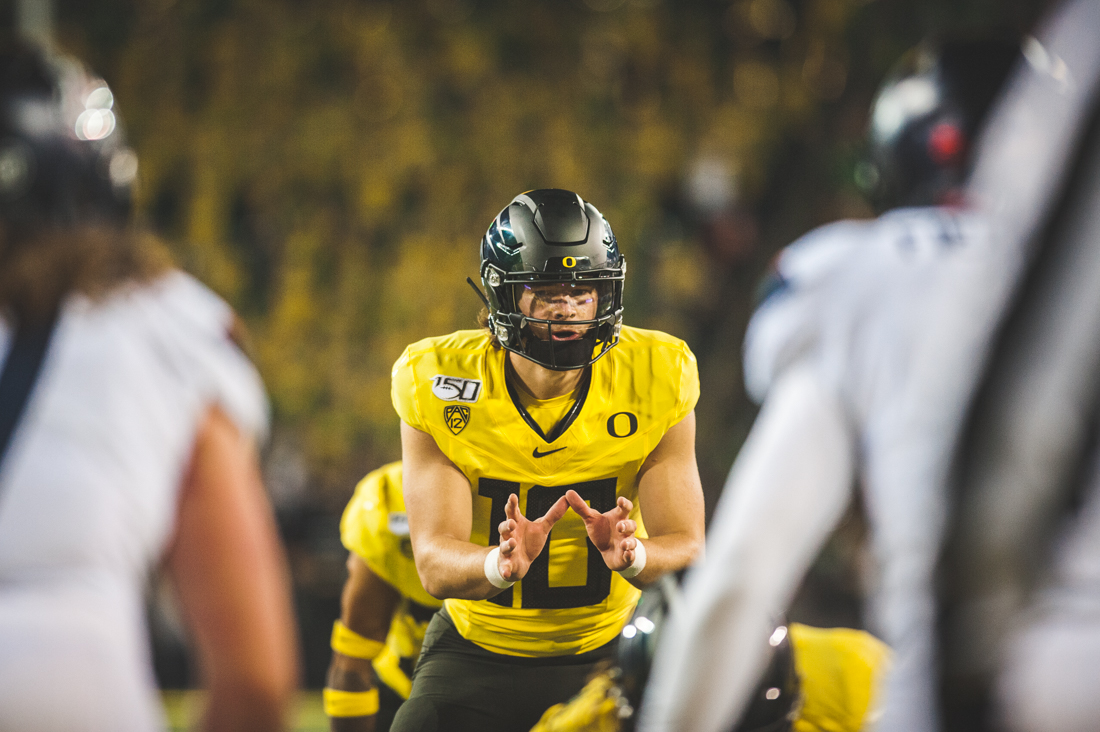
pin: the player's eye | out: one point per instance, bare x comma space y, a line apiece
547, 294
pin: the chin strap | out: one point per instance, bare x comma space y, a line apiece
479, 293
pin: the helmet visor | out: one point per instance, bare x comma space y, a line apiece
581, 300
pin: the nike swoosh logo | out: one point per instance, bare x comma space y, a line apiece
538, 454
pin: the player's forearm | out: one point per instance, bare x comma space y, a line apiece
452, 568
354, 675
668, 553
352, 724
241, 706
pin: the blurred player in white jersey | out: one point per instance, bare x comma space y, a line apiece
129, 420
831, 353
1019, 581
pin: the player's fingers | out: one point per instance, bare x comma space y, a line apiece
506, 527
624, 506
507, 547
556, 512
511, 507
627, 527
577, 504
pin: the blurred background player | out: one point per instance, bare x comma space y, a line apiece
831, 354
384, 609
1020, 571
556, 406
129, 429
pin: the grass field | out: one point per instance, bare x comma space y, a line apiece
183, 709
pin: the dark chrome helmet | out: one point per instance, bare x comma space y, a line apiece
639, 638
926, 117
552, 237
777, 699
63, 159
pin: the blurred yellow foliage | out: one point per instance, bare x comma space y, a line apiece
329, 167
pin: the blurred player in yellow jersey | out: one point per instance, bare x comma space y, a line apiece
384, 609
549, 472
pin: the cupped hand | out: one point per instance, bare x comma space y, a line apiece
522, 540
612, 532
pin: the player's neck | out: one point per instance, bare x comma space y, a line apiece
540, 382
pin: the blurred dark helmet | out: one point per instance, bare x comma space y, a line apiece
926, 117
552, 237
777, 699
63, 159
639, 638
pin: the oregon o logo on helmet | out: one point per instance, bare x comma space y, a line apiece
569, 262
615, 425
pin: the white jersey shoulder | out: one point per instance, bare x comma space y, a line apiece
193, 324
784, 326
835, 287
89, 493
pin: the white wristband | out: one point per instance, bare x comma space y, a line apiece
492, 571
638, 564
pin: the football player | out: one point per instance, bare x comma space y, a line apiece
549, 471
384, 609
1018, 578
129, 420
831, 354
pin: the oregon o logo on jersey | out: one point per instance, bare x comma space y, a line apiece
456, 418
616, 426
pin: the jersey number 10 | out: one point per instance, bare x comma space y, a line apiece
537, 592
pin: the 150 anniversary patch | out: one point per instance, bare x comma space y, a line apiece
456, 389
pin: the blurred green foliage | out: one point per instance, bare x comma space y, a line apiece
330, 166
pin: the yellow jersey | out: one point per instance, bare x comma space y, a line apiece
374, 526
841, 671
454, 388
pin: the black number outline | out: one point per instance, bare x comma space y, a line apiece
497, 491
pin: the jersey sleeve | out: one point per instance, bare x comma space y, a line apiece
192, 328
403, 391
689, 383
786, 325
375, 528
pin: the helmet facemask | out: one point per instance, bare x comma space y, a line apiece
580, 320
555, 300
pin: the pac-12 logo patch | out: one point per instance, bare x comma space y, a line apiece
456, 417
455, 389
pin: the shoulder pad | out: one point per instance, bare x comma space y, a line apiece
786, 322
